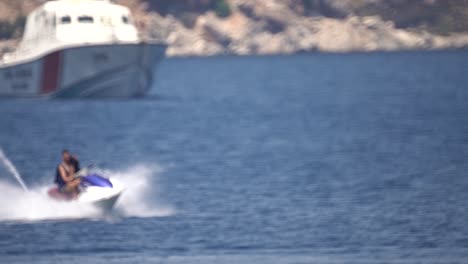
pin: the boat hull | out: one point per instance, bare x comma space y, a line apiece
90, 71
105, 203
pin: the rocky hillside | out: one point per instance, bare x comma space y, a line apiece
290, 26
210, 27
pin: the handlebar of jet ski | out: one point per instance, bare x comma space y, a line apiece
84, 171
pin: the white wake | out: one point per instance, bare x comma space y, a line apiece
141, 198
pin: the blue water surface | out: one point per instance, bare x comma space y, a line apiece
314, 158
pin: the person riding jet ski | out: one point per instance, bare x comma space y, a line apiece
84, 186
65, 175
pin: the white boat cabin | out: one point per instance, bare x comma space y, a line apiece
62, 23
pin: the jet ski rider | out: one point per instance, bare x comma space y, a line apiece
65, 175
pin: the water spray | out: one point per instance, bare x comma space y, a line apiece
11, 168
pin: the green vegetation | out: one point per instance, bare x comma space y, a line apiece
222, 8
439, 16
10, 30
321, 7
6, 30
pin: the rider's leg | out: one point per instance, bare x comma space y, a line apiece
72, 188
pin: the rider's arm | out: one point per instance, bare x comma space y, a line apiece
64, 175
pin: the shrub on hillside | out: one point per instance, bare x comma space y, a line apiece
222, 8
10, 30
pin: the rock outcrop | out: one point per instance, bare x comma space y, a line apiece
271, 27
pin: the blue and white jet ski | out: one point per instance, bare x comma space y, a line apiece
94, 189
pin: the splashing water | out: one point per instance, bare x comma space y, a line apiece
11, 168
140, 190
139, 200
36, 205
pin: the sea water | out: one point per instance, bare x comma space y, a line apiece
313, 158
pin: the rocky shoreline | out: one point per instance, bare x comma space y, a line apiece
274, 27
241, 35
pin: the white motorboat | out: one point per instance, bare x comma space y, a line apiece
80, 49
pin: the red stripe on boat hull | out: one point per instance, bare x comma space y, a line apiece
50, 73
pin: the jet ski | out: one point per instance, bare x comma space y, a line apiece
94, 189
